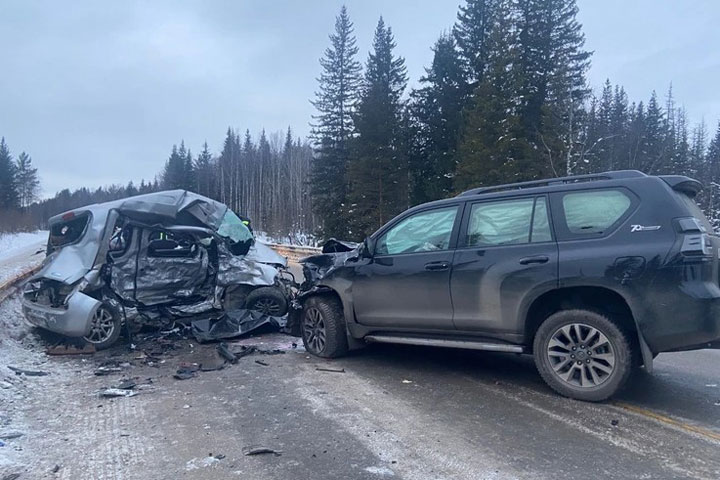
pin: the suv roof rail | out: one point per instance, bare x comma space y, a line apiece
615, 175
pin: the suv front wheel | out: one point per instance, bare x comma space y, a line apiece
323, 327
582, 354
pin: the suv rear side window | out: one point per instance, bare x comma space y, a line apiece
593, 212
508, 222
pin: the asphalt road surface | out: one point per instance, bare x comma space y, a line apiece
382, 412
391, 412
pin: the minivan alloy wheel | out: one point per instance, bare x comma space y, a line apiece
581, 355
314, 329
267, 306
102, 326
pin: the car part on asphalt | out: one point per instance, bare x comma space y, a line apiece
604, 269
232, 324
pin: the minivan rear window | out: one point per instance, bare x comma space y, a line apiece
593, 212
69, 231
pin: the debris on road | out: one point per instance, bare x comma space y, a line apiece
615, 422
260, 450
69, 349
127, 384
407, 381
260, 362
224, 352
186, 371
28, 373
233, 324
10, 435
333, 370
116, 392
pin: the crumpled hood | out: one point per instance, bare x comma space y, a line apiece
336, 254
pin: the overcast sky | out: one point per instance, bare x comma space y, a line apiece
97, 92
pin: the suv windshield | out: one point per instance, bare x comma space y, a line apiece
67, 232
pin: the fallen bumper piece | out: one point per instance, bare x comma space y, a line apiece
233, 324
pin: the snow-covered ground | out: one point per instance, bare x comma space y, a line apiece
20, 252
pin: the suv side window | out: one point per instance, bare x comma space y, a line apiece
593, 212
426, 231
508, 222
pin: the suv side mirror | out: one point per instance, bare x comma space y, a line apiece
367, 248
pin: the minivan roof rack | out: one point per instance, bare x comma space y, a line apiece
615, 175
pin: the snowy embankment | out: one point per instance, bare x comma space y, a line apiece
20, 252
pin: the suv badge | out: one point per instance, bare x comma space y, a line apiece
642, 228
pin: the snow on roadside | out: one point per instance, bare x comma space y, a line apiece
19, 252
11, 243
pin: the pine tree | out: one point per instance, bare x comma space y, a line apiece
436, 111
550, 71
8, 187
26, 180
378, 169
335, 102
204, 172
712, 180
472, 31
173, 176
488, 150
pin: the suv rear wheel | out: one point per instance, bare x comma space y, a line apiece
323, 327
582, 354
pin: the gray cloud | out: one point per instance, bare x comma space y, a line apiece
97, 92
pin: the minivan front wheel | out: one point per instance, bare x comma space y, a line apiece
582, 354
105, 327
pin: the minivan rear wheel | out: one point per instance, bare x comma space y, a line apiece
323, 327
582, 354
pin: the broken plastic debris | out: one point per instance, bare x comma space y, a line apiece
333, 370
260, 362
116, 392
233, 324
260, 450
224, 352
28, 373
407, 381
10, 435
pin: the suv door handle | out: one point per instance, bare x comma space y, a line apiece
437, 266
535, 259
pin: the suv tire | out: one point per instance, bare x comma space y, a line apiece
583, 354
106, 327
323, 327
267, 300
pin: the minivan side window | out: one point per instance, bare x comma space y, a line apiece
508, 222
593, 212
423, 232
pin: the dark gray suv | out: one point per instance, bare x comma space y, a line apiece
592, 274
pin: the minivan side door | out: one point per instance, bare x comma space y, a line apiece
506, 256
407, 282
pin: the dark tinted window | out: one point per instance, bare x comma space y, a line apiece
594, 211
508, 222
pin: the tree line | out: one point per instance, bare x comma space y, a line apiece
263, 180
505, 99
19, 188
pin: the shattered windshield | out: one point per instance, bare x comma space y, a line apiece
233, 228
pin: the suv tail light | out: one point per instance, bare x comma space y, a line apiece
696, 241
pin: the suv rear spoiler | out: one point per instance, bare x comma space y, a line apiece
688, 186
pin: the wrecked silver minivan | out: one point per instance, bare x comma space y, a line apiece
151, 260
